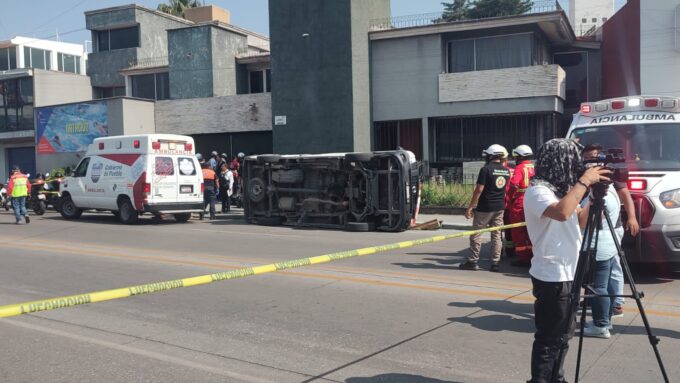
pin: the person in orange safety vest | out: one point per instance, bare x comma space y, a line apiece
18, 190
524, 172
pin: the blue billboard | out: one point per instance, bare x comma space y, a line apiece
70, 128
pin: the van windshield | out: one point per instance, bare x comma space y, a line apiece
645, 146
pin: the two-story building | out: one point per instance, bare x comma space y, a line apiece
35, 73
447, 90
209, 78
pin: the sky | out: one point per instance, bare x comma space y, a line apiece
48, 18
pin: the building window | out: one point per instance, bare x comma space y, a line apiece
108, 92
575, 65
455, 140
489, 53
111, 39
8, 58
68, 63
604, 19
16, 104
584, 20
594, 19
37, 58
268, 77
155, 86
256, 82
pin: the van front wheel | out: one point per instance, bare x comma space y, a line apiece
69, 210
126, 212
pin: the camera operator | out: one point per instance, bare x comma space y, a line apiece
591, 152
551, 206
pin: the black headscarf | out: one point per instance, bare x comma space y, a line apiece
558, 165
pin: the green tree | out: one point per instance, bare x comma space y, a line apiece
493, 8
455, 10
177, 7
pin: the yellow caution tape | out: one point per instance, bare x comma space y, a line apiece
124, 292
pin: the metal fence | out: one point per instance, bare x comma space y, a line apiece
436, 17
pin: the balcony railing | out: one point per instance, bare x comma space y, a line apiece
149, 62
436, 17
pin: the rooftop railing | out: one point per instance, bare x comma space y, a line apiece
436, 17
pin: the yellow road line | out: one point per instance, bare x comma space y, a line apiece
124, 292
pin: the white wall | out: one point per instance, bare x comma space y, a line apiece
589, 9
659, 59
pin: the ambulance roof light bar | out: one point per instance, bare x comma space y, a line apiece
630, 103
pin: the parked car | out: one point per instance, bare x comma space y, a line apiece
352, 191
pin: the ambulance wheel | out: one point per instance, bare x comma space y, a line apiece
182, 217
256, 190
127, 213
69, 210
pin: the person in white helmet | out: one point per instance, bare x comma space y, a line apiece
519, 183
487, 206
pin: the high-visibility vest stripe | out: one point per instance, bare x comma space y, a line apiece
20, 187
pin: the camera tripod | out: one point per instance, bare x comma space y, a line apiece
583, 278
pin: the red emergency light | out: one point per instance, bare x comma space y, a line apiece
147, 188
188, 147
651, 103
585, 108
101, 146
619, 104
156, 145
637, 185
135, 143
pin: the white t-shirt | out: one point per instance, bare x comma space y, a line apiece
556, 244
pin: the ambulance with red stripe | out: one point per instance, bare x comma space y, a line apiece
647, 128
133, 175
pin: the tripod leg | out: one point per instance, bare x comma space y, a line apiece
587, 280
653, 340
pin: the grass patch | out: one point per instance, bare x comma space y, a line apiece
451, 195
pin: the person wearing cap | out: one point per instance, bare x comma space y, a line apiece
214, 157
18, 190
487, 206
519, 183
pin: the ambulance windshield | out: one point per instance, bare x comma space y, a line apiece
645, 146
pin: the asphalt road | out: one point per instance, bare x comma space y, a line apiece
404, 316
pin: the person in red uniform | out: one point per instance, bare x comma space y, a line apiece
518, 184
508, 244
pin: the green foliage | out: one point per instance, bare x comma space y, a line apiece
177, 7
478, 9
451, 195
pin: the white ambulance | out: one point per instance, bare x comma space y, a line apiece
647, 128
132, 175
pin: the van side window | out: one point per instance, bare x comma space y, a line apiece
81, 170
186, 166
164, 166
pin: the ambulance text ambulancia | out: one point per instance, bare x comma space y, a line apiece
132, 175
647, 128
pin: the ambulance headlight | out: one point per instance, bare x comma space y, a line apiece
670, 199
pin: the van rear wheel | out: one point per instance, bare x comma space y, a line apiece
182, 217
127, 213
69, 210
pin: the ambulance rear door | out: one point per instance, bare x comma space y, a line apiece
164, 183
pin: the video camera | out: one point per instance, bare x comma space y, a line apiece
611, 160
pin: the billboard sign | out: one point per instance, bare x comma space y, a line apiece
70, 128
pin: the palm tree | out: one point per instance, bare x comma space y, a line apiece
177, 7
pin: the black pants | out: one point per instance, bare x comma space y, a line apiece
551, 310
224, 198
209, 199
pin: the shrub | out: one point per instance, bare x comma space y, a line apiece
451, 195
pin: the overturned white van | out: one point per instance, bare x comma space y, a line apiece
132, 175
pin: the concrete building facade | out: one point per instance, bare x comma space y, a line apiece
320, 82
587, 16
641, 50
34, 73
220, 70
447, 90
